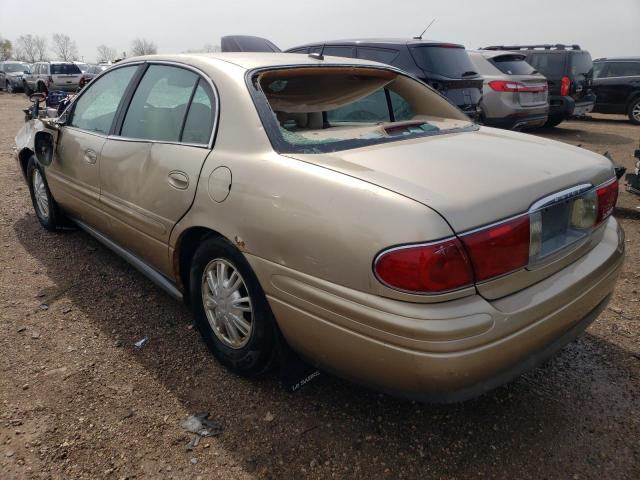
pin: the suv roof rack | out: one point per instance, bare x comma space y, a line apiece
544, 46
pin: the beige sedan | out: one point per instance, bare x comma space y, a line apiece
340, 206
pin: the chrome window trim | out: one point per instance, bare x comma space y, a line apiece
197, 71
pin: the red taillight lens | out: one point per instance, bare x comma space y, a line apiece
500, 249
565, 86
432, 268
607, 198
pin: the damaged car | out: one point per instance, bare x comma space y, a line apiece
336, 206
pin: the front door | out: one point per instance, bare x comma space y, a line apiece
149, 172
74, 174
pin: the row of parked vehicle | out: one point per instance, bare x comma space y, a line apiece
507, 86
47, 76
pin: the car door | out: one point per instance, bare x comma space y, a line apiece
74, 175
613, 87
150, 168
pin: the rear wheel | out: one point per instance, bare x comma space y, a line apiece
42, 88
47, 210
231, 310
554, 121
634, 111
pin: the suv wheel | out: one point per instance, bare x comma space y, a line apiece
231, 310
634, 111
47, 210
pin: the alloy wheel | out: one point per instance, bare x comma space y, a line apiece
226, 303
635, 112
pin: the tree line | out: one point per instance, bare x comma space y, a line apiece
35, 48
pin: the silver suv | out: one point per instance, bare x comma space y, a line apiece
47, 76
514, 95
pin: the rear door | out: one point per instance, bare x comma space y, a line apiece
150, 167
615, 83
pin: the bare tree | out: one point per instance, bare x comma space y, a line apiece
64, 48
31, 48
106, 54
6, 49
142, 46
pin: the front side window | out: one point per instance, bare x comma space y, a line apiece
15, 67
599, 70
97, 106
339, 51
159, 105
315, 110
382, 55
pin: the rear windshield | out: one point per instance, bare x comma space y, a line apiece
512, 65
581, 63
452, 62
317, 110
15, 67
65, 69
548, 64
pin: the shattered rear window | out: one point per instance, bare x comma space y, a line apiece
315, 110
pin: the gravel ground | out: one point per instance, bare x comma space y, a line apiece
79, 401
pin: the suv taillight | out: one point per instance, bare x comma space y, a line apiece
491, 251
565, 86
506, 86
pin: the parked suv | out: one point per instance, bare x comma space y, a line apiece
568, 72
444, 66
11, 74
616, 83
514, 96
47, 76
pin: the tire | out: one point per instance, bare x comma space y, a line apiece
554, 121
40, 88
27, 89
247, 351
47, 210
9, 87
634, 111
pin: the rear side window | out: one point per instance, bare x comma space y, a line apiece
96, 107
512, 65
339, 51
382, 55
65, 69
549, 64
581, 63
623, 69
452, 62
159, 105
199, 121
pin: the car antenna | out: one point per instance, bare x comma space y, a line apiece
319, 55
424, 31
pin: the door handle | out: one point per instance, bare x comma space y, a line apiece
90, 156
178, 179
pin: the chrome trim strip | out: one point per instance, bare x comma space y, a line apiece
151, 273
560, 196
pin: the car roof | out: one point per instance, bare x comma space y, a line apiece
380, 42
250, 60
617, 59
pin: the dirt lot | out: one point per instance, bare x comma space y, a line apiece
78, 401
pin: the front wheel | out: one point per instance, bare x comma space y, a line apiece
27, 89
231, 310
9, 87
634, 111
46, 208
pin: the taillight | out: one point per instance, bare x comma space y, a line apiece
607, 198
429, 268
506, 86
499, 249
565, 86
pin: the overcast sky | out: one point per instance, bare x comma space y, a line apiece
605, 28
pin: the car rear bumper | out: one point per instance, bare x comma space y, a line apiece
442, 352
518, 121
64, 88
